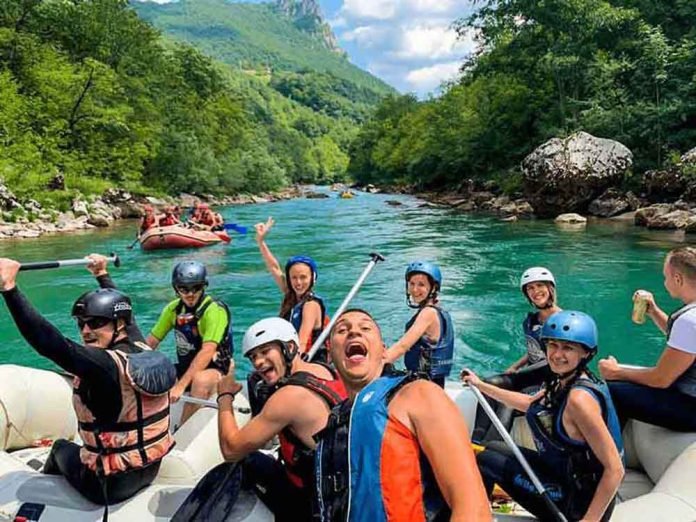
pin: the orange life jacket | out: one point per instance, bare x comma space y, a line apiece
140, 435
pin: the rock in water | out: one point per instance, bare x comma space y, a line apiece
565, 175
571, 219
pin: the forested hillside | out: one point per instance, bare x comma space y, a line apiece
621, 69
92, 91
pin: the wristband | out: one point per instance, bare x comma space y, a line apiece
231, 394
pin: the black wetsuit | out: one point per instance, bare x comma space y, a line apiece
99, 389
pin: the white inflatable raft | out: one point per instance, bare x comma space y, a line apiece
35, 407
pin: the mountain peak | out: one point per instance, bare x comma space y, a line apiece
306, 15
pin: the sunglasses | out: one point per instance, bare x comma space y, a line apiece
185, 290
94, 323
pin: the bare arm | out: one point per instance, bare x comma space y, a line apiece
672, 364
424, 320
519, 401
152, 341
199, 363
586, 416
311, 315
236, 443
271, 262
443, 435
658, 316
522, 361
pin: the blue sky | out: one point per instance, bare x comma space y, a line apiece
409, 44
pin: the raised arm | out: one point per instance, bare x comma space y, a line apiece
443, 435
271, 262
425, 319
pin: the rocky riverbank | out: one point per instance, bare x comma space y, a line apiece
585, 176
20, 219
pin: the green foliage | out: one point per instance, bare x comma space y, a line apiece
91, 90
621, 69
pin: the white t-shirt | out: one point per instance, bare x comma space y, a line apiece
683, 338
683, 334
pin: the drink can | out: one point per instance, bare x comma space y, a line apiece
640, 307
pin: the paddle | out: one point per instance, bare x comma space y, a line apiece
130, 247
237, 228
210, 404
375, 258
518, 454
41, 265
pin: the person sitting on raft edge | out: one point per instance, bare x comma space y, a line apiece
529, 372
664, 395
398, 449
113, 375
301, 305
428, 343
203, 334
579, 457
299, 407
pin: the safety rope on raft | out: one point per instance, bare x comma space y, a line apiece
9, 425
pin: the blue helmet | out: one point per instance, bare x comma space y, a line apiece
301, 259
572, 326
427, 268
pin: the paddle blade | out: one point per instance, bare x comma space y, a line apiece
234, 226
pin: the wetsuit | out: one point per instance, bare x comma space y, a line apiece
527, 380
567, 468
99, 389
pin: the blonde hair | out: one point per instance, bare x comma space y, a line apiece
683, 260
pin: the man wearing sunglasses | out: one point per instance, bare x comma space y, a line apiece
202, 329
124, 428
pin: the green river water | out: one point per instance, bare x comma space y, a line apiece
481, 258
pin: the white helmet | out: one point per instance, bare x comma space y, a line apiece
536, 274
268, 330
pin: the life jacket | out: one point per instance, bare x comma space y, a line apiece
189, 341
206, 218
295, 455
148, 222
532, 335
575, 460
168, 220
686, 382
370, 468
140, 436
435, 359
295, 316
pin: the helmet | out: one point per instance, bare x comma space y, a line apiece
301, 259
189, 273
536, 274
104, 302
427, 268
572, 326
203, 206
148, 208
269, 330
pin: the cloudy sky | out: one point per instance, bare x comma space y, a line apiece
408, 43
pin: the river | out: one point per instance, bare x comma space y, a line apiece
481, 258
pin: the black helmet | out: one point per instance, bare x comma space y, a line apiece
189, 273
105, 302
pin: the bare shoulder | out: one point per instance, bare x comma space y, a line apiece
421, 395
582, 401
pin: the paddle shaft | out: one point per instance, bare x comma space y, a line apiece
375, 258
518, 454
209, 403
41, 265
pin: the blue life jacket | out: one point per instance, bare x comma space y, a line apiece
370, 468
574, 459
686, 382
435, 359
532, 335
295, 315
189, 340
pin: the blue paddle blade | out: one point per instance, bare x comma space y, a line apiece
234, 226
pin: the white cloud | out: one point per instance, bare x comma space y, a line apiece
434, 6
434, 43
427, 79
369, 9
366, 36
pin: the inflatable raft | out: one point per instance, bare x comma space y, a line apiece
35, 408
177, 236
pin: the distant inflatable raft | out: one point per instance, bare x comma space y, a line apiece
176, 236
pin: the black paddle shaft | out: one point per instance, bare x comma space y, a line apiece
42, 265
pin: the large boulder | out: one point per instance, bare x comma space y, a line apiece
565, 175
672, 220
612, 203
644, 215
663, 185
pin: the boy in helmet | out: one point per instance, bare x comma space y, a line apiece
428, 344
202, 327
574, 425
115, 462
298, 409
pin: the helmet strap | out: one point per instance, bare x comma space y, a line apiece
289, 356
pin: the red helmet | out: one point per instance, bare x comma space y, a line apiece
148, 208
204, 206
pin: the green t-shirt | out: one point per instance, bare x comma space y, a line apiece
212, 326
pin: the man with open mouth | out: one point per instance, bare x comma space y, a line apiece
398, 449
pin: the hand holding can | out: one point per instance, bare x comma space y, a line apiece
640, 306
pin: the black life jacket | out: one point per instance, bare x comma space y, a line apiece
686, 382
